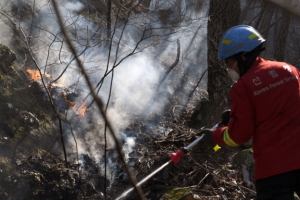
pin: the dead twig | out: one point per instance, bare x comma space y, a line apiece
173, 65
203, 179
98, 101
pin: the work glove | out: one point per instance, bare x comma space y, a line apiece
225, 118
207, 139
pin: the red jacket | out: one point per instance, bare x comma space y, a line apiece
266, 106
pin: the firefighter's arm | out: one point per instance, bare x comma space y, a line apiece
222, 137
241, 125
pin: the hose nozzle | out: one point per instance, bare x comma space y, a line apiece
175, 157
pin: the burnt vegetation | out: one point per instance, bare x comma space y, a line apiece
144, 72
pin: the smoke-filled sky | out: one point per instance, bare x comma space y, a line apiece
135, 87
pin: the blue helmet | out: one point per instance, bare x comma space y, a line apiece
240, 38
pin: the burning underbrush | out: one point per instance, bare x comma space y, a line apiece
32, 165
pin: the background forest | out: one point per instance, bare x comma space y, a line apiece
95, 94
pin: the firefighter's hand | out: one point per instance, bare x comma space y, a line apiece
207, 139
225, 118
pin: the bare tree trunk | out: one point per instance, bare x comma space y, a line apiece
261, 14
265, 23
282, 36
223, 14
246, 11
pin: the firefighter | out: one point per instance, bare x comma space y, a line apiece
265, 106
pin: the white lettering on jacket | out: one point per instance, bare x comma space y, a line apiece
276, 84
257, 92
272, 85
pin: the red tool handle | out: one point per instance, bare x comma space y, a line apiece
175, 157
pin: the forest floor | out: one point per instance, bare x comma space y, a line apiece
200, 174
32, 164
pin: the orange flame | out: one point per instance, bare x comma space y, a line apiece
70, 103
34, 74
83, 111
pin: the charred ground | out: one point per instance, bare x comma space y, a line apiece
33, 166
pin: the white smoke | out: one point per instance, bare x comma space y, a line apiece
135, 85
75, 6
135, 79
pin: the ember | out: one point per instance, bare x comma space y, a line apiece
78, 108
83, 110
34, 74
